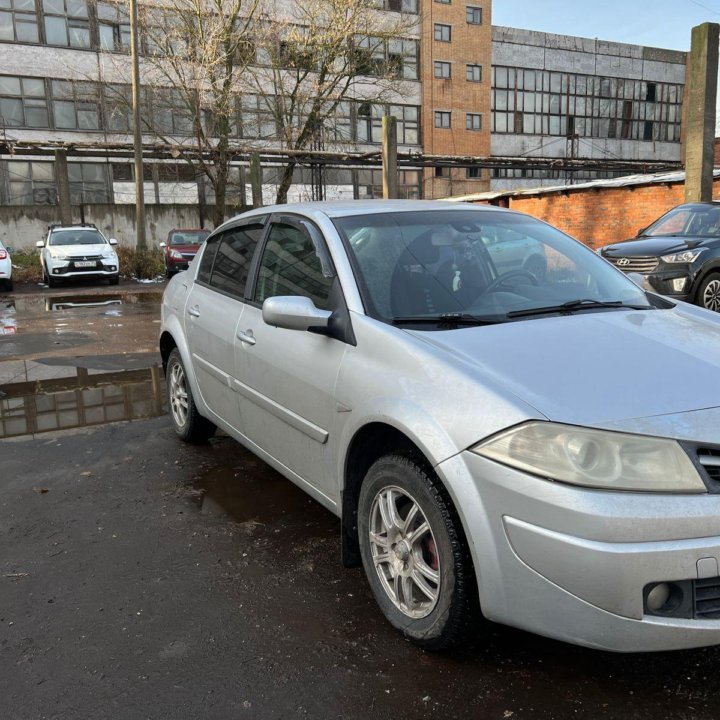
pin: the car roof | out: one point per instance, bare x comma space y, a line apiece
55, 228
346, 208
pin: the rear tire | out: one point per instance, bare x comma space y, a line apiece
708, 294
422, 579
187, 422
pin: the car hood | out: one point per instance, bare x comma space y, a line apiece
653, 246
597, 368
184, 248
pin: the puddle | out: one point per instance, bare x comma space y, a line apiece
8, 322
81, 400
66, 302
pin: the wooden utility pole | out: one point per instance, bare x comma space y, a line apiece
700, 119
389, 157
63, 185
256, 180
141, 242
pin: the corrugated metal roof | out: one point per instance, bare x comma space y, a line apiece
626, 181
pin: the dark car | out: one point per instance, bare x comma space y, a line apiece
678, 255
181, 247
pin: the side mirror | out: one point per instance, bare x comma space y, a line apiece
638, 279
40, 244
294, 313
163, 244
113, 241
9, 249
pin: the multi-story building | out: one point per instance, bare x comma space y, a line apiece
469, 90
555, 96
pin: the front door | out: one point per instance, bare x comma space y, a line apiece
288, 376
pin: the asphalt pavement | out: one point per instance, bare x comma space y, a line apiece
144, 578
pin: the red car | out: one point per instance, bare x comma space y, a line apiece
181, 247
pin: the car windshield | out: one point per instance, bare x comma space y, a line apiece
81, 236
192, 237
694, 221
477, 264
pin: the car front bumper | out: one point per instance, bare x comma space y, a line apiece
574, 564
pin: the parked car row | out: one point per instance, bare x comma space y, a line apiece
416, 369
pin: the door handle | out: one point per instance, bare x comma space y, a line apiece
246, 337
194, 311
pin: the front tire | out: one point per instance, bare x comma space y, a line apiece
414, 554
187, 422
114, 280
708, 294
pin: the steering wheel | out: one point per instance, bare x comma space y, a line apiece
513, 273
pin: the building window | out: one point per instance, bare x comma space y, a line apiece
473, 73
88, 183
171, 113
23, 102
473, 15
442, 172
442, 119
443, 2
397, 57
442, 69
336, 125
405, 6
370, 184
118, 108
442, 32
473, 121
369, 122
66, 23
474, 173
75, 105
537, 102
113, 27
18, 21
257, 120
31, 183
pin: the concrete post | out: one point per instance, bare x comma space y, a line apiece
141, 241
63, 186
389, 157
702, 77
256, 180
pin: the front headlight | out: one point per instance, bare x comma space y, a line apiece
109, 253
595, 458
175, 254
688, 256
57, 255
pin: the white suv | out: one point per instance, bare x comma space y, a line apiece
76, 251
6, 282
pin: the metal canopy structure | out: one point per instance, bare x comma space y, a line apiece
272, 156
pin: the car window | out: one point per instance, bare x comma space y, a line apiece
477, 262
291, 265
233, 257
703, 220
188, 238
76, 237
207, 259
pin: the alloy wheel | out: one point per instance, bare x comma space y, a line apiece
711, 296
404, 552
178, 395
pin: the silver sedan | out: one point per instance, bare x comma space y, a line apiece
534, 443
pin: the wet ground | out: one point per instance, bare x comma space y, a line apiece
144, 578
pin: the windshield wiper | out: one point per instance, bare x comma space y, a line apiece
446, 320
575, 305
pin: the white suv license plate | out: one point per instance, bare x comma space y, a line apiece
85, 263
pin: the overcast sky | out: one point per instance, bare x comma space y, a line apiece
660, 23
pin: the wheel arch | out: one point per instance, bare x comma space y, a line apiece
369, 443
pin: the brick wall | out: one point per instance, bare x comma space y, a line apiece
601, 216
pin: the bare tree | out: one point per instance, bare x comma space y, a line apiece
197, 52
314, 58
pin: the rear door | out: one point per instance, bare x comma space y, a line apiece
288, 376
212, 312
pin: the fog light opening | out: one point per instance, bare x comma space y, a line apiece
668, 599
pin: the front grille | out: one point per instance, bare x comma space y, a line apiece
188, 256
707, 599
642, 265
710, 460
73, 258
